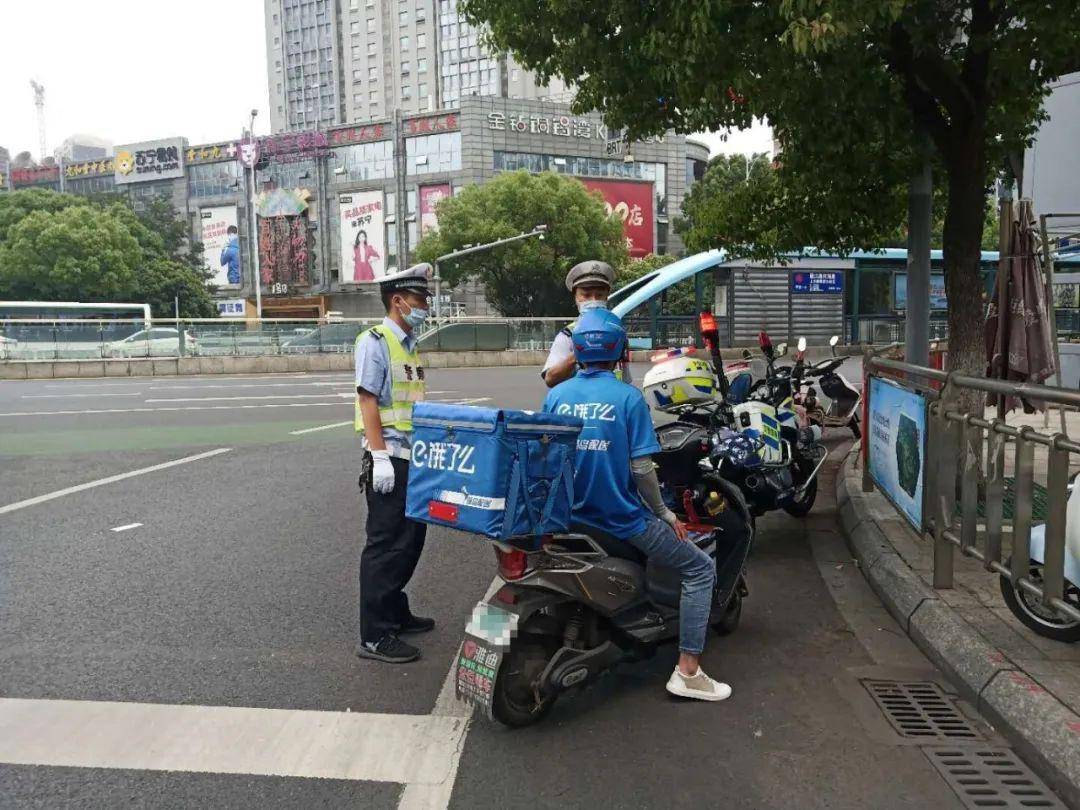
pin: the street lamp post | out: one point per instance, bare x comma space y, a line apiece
253, 219
538, 232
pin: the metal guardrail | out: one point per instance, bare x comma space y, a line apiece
958, 443
74, 339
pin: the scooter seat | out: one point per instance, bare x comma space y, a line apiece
612, 546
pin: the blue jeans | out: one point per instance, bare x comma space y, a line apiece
698, 571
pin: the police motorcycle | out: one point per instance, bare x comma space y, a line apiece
749, 436
844, 398
570, 602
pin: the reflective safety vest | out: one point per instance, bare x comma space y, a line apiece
619, 368
406, 383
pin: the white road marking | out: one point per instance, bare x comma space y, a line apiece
469, 401
125, 527
320, 427
75, 396
409, 749
177, 408
436, 796
259, 396
11, 507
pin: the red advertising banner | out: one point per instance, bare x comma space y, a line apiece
632, 202
429, 197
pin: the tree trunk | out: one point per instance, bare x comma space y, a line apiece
962, 244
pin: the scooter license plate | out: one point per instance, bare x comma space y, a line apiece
487, 639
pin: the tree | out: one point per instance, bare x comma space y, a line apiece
60, 247
847, 86
524, 279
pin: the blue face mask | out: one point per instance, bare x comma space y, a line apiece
586, 306
414, 317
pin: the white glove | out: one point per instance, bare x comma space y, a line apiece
382, 472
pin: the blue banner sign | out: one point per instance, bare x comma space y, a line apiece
897, 442
815, 282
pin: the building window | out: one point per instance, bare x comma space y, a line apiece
373, 73
372, 48
405, 43
373, 95
371, 25
406, 93
428, 154
354, 27
421, 38
421, 65
358, 98
405, 68
421, 91
365, 161
403, 18
357, 75
357, 53
213, 179
515, 74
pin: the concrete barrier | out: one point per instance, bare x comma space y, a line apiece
258, 364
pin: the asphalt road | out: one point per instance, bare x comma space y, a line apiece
238, 588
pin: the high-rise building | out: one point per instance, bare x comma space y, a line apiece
80, 147
333, 62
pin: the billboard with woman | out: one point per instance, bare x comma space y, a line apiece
362, 226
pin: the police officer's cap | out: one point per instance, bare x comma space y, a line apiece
591, 273
415, 280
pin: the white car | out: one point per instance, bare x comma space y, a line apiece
156, 342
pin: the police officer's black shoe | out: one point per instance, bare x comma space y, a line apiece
389, 649
416, 624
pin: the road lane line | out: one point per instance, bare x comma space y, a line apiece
125, 527
336, 402
11, 507
320, 427
260, 396
436, 795
468, 401
75, 396
409, 749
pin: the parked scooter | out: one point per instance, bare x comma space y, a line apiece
844, 398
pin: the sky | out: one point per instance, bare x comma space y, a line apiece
137, 70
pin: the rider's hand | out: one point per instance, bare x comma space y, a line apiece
681, 531
382, 472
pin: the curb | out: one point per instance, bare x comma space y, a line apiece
1039, 726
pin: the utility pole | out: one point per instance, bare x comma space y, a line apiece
920, 209
39, 102
253, 221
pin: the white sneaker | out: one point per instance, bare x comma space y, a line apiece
698, 686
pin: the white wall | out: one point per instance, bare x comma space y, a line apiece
1052, 164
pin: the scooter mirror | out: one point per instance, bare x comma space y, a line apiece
802, 344
746, 354
781, 349
835, 339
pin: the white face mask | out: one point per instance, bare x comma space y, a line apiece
585, 306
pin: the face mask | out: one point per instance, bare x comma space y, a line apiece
585, 306
414, 317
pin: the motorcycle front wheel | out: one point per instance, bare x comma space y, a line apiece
1032, 612
854, 425
515, 701
805, 502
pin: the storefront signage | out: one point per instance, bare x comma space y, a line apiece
210, 153
233, 308
431, 124
41, 174
633, 204
150, 160
429, 198
832, 283
221, 252
363, 229
89, 167
561, 125
897, 445
364, 134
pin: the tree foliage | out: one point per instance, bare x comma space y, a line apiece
60, 247
524, 279
848, 86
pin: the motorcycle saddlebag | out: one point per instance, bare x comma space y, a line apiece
498, 473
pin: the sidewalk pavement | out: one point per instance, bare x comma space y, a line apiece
1027, 685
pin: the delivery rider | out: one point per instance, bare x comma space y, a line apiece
389, 379
590, 282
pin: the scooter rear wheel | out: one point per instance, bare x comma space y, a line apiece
802, 507
728, 622
514, 700
1032, 612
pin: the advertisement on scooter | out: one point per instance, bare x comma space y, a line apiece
488, 636
897, 444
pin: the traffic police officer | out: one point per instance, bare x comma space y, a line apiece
389, 379
590, 282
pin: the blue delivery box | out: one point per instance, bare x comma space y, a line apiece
499, 473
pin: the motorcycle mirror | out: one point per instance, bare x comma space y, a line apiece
802, 344
835, 339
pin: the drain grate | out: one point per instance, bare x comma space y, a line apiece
991, 777
920, 710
